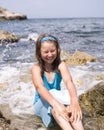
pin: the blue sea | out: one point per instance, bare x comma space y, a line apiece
16, 59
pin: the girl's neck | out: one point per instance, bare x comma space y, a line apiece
48, 68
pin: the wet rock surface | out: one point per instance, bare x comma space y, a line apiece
7, 37
77, 58
20, 122
92, 104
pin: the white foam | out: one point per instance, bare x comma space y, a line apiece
8, 74
33, 36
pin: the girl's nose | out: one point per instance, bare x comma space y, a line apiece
49, 54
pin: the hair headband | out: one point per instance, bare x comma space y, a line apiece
48, 38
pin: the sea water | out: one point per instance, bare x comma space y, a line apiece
17, 59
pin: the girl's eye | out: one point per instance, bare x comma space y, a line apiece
46, 52
53, 50
50, 51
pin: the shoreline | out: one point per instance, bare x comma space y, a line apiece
93, 117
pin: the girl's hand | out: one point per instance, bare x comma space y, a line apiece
75, 113
60, 110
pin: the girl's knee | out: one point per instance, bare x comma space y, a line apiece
77, 125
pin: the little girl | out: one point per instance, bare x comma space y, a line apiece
47, 75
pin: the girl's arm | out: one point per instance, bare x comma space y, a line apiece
44, 93
74, 108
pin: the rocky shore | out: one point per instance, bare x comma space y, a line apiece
77, 58
91, 102
6, 15
9, 15
7, 37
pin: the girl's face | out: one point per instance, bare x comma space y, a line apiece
48, 52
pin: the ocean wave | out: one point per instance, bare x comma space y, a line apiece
83, 32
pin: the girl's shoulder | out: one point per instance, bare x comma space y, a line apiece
62, 64
36, 67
